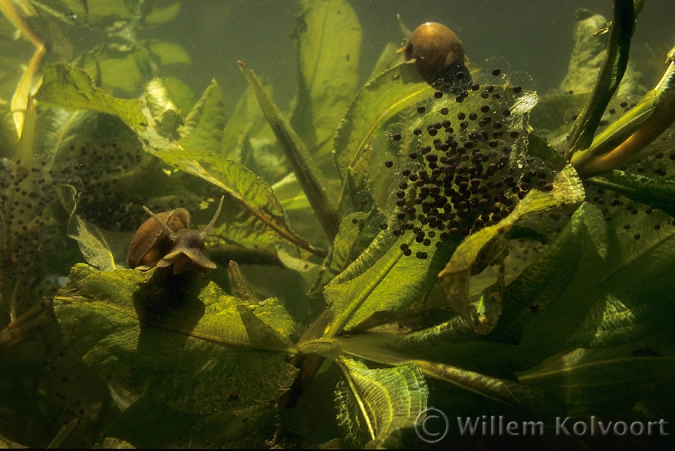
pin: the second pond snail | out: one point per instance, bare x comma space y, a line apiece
166, 239
439, 56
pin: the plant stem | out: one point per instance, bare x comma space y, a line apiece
19, 102
611, 73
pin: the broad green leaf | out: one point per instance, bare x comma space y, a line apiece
357, 230
346, 248
379, 100
512, 393
380, 348
245, 119
636, 291
258, 219
595, 381
179, 339
117, 66
179, 93
168, 52
310, 177
373, 404
162, 14
649, 191
356, 194
245, 190
91, 240
383, 279
542, 308
203, 127
562, 304
388, 58
327, 39
70, 87
455, 277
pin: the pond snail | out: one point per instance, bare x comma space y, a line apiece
439, 56
166, 239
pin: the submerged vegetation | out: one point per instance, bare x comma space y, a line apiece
381, 249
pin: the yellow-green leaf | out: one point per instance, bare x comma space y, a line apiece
71, 87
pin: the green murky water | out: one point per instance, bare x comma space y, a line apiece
486, 260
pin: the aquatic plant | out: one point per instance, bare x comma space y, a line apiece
423, 247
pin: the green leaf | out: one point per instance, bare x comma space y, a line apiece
379, 100
160, 15
327, 39
380, 348
455, 277
117, 66
573, 278
636, 290
376, 403
348, 244
91, 240
179, 93
244, 121
383, 279
180, 339
71, 87
203, 127
169, 52
264, 215
653, 192
595, 381
148, 423
512, 393
313, 182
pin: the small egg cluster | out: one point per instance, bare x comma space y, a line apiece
632, 220
100, 173
465, 166
114, 178
28, 236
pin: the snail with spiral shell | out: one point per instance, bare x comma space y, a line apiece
166, 239
439, 57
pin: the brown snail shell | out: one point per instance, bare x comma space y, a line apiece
436, 50
166, 239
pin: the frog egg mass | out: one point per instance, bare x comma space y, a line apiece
459, 172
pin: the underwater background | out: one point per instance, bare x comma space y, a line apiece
360, 271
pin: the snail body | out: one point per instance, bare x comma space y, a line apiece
166, 239
438, 54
